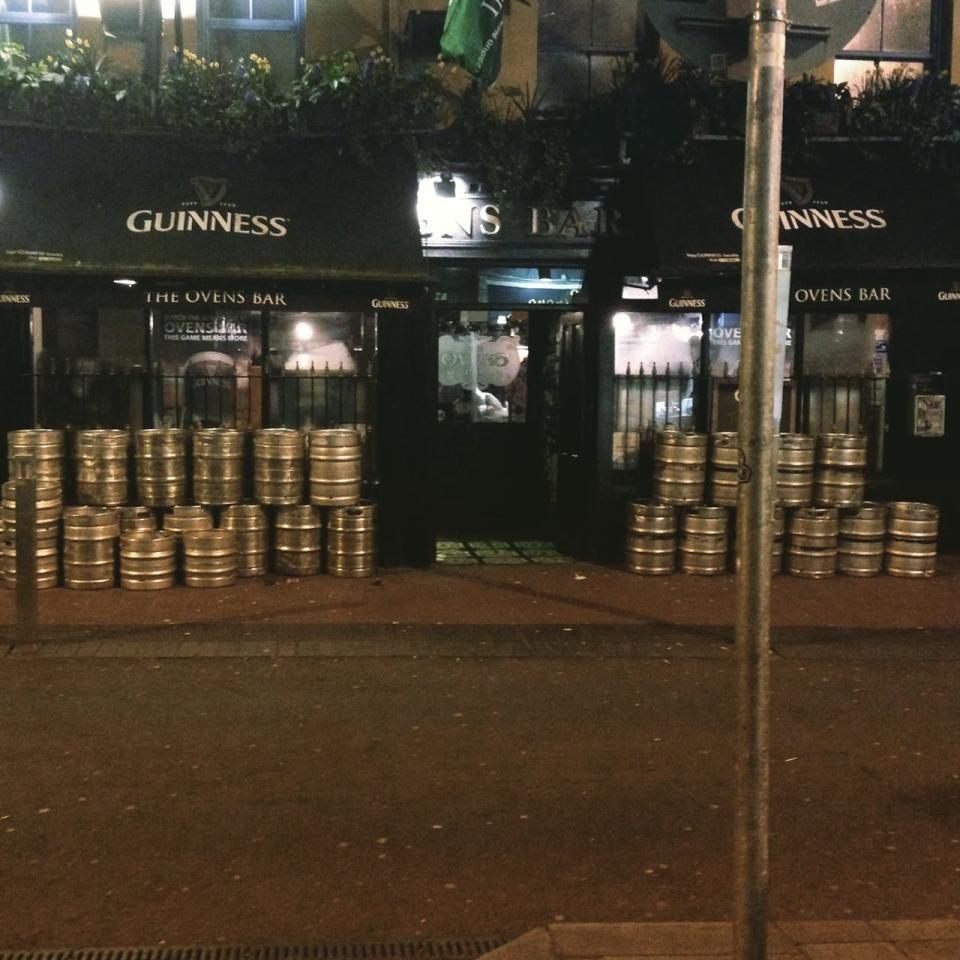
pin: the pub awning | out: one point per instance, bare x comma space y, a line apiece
150, 205
849, 206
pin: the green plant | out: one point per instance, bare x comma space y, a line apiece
524, 149
362, 100
813, 107
233, 105
72, 87
921, 109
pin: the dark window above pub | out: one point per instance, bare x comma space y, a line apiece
39, 26
898, 34
231, 30
581, 43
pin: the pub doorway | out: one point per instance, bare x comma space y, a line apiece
508, 424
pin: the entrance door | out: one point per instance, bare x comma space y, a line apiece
16, 390
491, 478
572, 475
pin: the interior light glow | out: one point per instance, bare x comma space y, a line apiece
303, 330
88, 9
622, 323
125, 282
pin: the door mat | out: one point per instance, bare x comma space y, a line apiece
498, 552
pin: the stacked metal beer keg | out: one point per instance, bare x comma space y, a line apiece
90, 537
49, 505
249, 524
860, 545
148, 560
821, 523
102, 467
278, 467
298, 534
161, 459
217, 466
841, 469
651, 538
911, 544
47, 447
161, 467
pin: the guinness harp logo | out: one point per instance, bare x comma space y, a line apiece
210, 190
797, 189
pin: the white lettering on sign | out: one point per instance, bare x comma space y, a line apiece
207, 221
219, 330
380, 304
823, 218
235, 298
842, 295
944, 295
14, 297
686, 302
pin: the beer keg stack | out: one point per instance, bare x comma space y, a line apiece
49, 506
822, 524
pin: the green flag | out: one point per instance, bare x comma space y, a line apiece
473, 37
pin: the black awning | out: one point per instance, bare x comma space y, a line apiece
847, 209
154, 205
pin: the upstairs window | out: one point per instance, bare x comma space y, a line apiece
898, 33
39, 26
581, 42
233, 29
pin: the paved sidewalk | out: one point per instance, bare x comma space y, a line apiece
511, 608
788, 940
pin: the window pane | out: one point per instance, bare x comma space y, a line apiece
530, 285
615, 23
121, 17
274, 10
61, 7
725, 346
229, 9
656, 339
482, 367
856, 72
38, 39
844, 345
868, 36
206, 368
565, 23
325, 359
14, 6
906, 26
563, 76
278, 46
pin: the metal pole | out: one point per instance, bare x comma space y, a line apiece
26, 550
756, 495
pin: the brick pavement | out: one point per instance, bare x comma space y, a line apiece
787, 940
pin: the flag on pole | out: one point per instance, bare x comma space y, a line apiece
473, 37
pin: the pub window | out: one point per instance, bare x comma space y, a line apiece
845, 371
39, 26
656, 368
89, 367
482, 361
898, 34
122, 19
322, 367
582, 43
206, 370
231, 30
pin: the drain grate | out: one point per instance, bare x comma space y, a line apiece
461, 949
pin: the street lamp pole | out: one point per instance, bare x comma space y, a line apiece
768, 28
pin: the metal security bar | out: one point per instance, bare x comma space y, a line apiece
308, 398
646, 401
649, 400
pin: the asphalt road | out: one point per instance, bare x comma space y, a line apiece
299, 800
